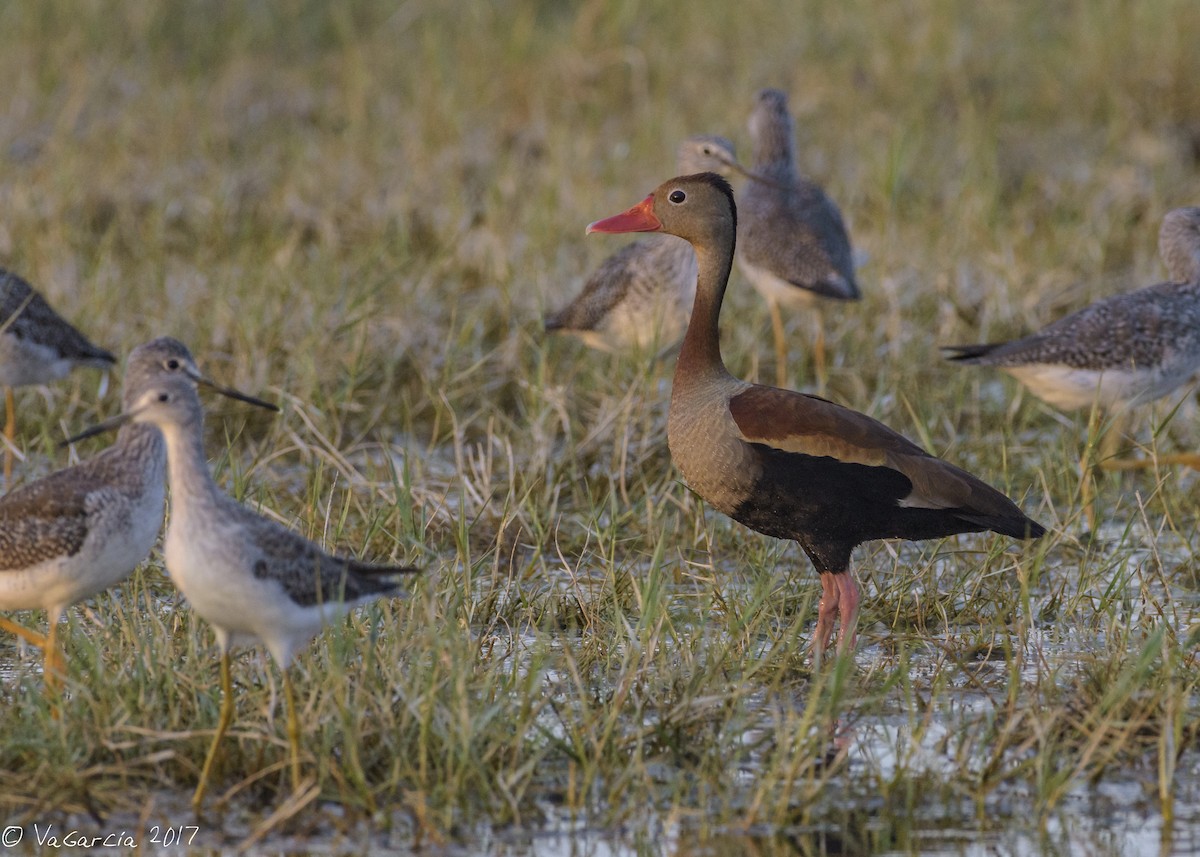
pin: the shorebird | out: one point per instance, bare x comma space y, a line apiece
641, 295
37, 346
249, 577
787, 464
84, 528
792, 243
1119, 352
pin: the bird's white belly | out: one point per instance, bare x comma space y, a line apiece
23, 363
48, 583
1069, 388
208, 568
216, 575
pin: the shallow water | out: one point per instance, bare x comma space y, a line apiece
1118, 815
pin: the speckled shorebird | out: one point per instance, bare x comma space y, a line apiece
641, 295
37, 346
83, 529
249, 577
790, 465
1119, 352
792, 242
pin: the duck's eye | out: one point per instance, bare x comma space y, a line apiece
164, 397
677, 196
172, 364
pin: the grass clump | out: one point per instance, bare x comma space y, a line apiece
363, 210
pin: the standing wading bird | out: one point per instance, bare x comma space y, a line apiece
640, 296
247, 576
83, 529
37, 346
787, 464
1119, 352
792, 243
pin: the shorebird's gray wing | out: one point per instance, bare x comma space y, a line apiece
310, 576
798, 235
25, 314
1123, 331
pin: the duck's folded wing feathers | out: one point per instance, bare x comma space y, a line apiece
808, 425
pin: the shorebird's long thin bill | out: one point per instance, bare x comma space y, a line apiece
108, 425
236, 394
120, 419
755, 177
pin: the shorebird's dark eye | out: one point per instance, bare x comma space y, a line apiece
164, 397
677, 196
172, 364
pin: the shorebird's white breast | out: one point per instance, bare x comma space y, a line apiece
213, 560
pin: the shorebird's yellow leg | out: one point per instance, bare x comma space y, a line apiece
781, 372
819, 368
293, 728
54, 665
1187, 459
222, 725
31, 637
1111, 462
1087, 492
1094, 454
10, 432
1106, 458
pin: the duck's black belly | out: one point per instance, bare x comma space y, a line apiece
830, 506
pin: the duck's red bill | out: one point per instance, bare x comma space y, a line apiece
640, 218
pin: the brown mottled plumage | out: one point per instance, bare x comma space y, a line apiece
787, 464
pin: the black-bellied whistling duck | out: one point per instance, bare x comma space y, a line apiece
641, 295
37, 346
1121, 351
792, 242
787, 464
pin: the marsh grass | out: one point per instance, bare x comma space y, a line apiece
363, 210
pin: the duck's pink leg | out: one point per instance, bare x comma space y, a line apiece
827, 611
847, 600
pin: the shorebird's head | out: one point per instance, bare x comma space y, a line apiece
166, 357
166, 396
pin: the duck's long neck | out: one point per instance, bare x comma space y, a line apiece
700, 353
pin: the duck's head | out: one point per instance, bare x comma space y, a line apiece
698, 208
